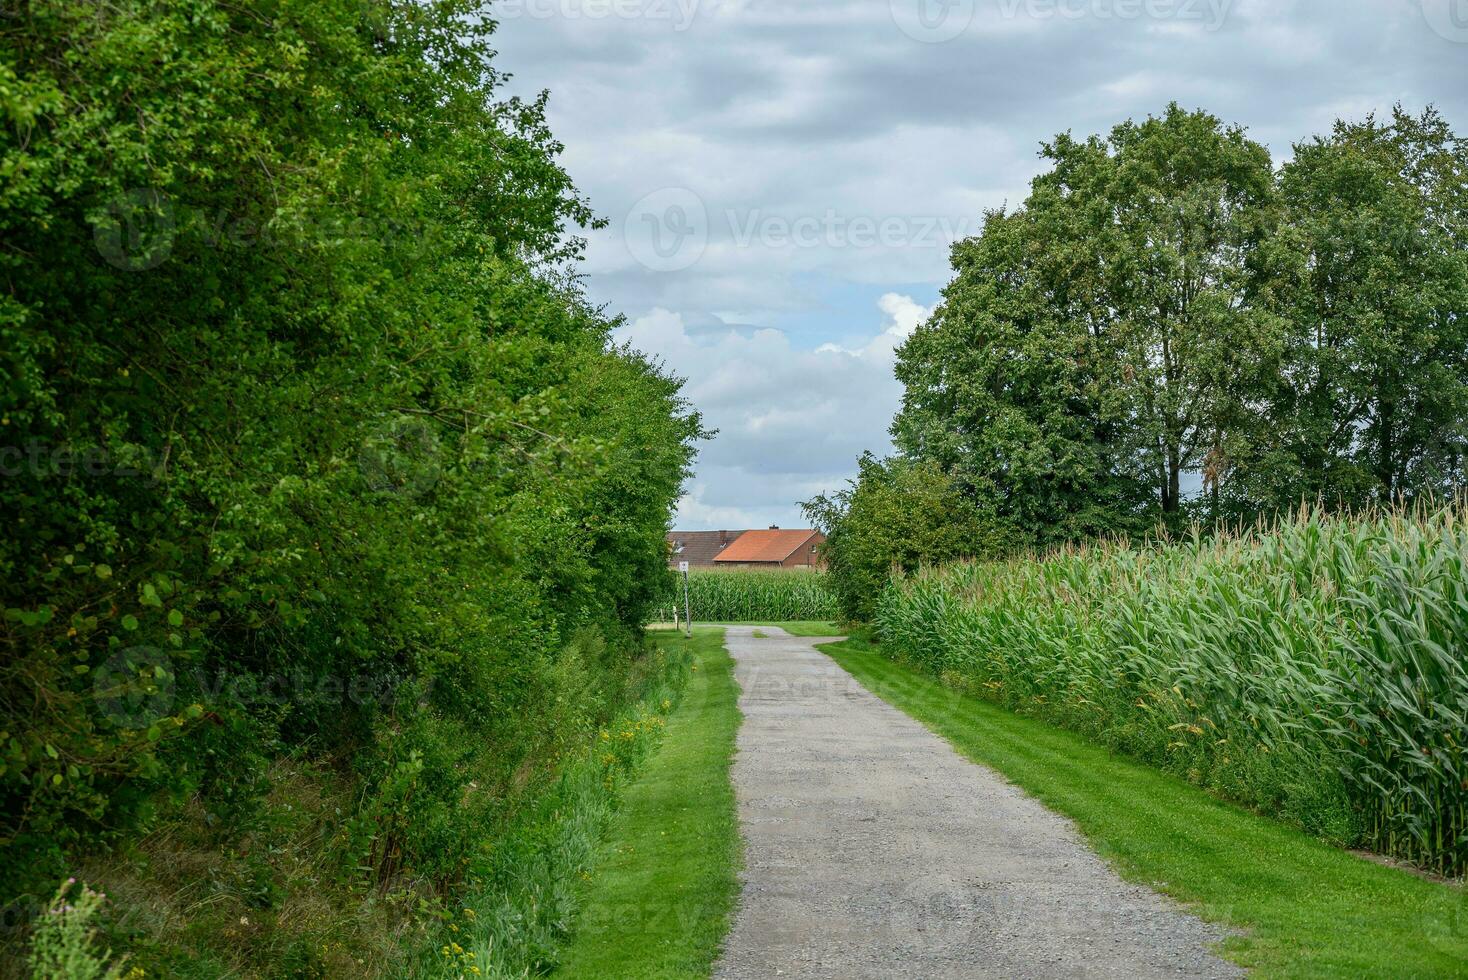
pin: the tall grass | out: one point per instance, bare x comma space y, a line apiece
521, 891
719, 596
1317, 670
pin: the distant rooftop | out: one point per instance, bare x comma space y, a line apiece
772, 545
698, 548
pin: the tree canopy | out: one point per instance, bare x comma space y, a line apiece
1170, 330
300, 383
1166, 305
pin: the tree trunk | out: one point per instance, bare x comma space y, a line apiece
1174, 489
1386, 466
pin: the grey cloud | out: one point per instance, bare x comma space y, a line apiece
790, 422
793, 108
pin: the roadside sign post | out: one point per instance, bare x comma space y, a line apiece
687, 614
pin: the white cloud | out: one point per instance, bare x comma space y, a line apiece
791, 422
904, 315
773, 114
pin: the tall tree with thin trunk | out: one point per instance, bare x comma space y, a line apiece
1107, 337
1184, 201
1371, 400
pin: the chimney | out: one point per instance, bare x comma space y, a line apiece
723, 538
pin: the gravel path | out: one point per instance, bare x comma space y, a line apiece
872, 849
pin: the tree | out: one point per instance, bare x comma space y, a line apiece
1187, 202
1165, 303
298, 384
1371, 400
1004, 389
897, 515
1099, 342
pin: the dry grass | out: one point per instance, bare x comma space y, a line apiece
199, 903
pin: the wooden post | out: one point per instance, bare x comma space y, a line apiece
687, 612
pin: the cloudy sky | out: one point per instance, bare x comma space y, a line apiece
783, 177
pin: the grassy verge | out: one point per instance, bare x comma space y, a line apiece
1303, 909
523, 891
659, 901
805, 627
270, 893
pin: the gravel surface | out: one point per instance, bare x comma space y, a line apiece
872, 849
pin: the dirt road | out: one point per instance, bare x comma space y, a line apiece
872, 849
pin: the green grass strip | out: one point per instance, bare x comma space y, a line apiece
1301, 908
659, 902
806, 628
803, 627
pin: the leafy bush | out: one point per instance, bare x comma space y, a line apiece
1313, 670
898, 514
728, 596
311, 444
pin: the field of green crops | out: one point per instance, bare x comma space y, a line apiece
1317, 671
747, 596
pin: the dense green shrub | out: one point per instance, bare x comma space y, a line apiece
1314, 670
310, 442
729, 596
899, 514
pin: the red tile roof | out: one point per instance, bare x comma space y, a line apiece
773, 545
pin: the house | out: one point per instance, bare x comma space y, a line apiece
734, 550
772, 548
698, 548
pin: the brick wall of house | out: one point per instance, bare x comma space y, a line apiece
806, 556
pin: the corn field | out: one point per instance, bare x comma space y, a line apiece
718, 596
1316, 670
